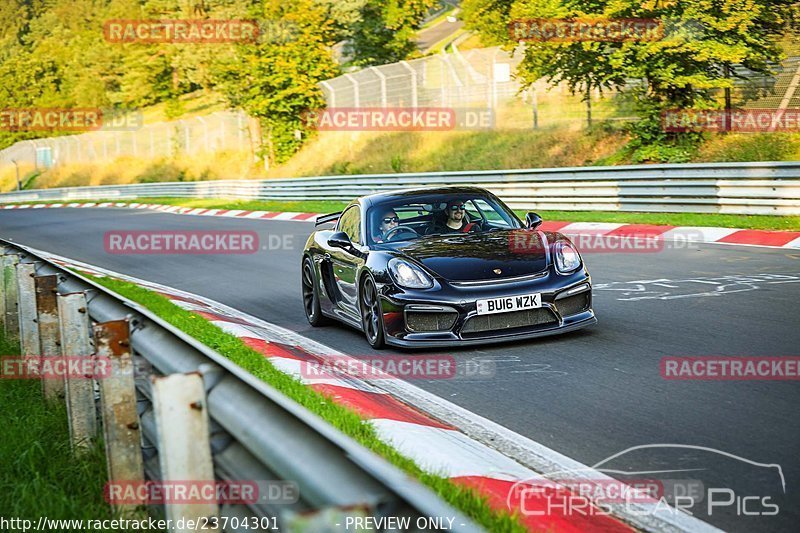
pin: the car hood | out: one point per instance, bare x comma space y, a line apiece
480, 256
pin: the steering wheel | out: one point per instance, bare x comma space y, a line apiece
389, 235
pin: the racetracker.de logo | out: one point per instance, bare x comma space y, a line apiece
55, 367
737, 120
385, 367
181, 31
51, 119
726, 368
586, 29
181, 492
75, 119
589, 241
180, 242
400, 119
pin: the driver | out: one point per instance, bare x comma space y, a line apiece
457, 221
388, 221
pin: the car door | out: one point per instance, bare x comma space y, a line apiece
345, 263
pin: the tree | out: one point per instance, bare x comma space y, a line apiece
687, 68
386, 31
488, 18
277, 81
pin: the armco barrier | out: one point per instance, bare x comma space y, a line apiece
168, 398
764, 188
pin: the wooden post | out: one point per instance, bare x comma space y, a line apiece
11, 321
184, 452
26, 294
49, 336
75, 342
118, 398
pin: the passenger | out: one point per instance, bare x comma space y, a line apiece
457, 221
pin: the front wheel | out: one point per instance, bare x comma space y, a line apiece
310, 295
371, 315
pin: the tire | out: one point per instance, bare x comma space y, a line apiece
371, 314
311, 295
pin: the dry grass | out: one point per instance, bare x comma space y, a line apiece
387, 152
196, 104
751, 147
211, 166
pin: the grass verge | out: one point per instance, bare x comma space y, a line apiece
764, 222
761, 222
466, 500
39, 476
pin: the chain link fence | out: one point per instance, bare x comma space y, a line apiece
484, 78
478, 78
223, 130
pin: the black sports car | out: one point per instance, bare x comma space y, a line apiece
443, 267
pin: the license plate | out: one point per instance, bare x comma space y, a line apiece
506, 304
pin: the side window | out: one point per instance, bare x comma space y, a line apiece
350, 223
489, 212
472, 210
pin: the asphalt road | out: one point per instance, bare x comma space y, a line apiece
590, 394
430, 36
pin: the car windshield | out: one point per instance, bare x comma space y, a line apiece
422, 216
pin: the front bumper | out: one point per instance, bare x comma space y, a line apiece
553, 287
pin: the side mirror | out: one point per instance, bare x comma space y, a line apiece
340, 240
532, 220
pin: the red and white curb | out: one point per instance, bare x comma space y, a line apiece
439, 436
178, 210
699, 234
746, 237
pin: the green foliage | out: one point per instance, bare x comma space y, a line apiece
40, 476
488, 18
344, 14
277, 81
398, 163
174, 108
386, 30
54, 54
686, 68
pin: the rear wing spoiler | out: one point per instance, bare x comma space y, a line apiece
328, 218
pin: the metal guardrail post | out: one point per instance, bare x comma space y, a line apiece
118, 398
26, 296
10, 296
331, 473
49, 334
184, 451
75, 342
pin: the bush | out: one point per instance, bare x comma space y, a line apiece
162, 171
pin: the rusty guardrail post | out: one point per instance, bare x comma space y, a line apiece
26, 294
49, 335
11, 318
184, 451
118, 398
75, 342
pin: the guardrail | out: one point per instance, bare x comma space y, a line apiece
174, 410
764, 188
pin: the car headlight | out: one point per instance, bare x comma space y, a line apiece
567, 257
409, 275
